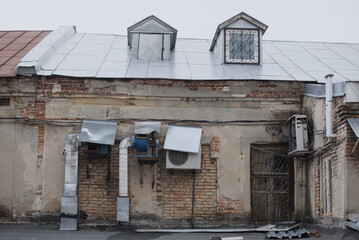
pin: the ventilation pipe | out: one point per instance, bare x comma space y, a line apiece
69, 197
123, 201
329, 105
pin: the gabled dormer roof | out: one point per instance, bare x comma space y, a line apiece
152, 24
237, 17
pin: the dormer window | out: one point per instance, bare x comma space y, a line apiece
153, 46
238, 40
241, 46
151, 39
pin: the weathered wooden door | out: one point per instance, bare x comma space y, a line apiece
271, 183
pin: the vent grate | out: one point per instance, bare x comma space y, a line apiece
178, 158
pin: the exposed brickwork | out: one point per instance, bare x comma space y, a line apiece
215, 145
270, 90
172, 193
98, 194
179, 189
337, 156
229, 206
191, 85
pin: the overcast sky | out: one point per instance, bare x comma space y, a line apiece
298, 20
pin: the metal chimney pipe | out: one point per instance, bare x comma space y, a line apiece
329, 105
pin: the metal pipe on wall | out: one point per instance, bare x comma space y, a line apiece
329, 105
123, 167
123, 201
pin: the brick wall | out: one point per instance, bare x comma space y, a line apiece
338, 154
98, 194
178, 191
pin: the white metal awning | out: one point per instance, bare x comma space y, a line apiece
183, 138
97, 131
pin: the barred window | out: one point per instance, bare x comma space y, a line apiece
241, 46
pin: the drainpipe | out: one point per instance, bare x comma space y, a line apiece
123, 201
329, 105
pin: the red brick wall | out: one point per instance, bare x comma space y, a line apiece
97, 194
178, 191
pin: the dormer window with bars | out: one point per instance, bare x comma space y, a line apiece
241, 46
238, 40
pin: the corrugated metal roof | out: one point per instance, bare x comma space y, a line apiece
293, 233
14, 45
67, 53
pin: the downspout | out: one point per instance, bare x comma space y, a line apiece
329, 105
123, 201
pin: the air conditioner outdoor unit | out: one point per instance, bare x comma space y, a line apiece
183, 160
183, 147
298, 135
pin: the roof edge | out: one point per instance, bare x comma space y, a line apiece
39, 55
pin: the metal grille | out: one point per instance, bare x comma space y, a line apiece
242, 46
271, 188
178, 158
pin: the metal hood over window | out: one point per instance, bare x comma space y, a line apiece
147, 127
97, 131
183, 138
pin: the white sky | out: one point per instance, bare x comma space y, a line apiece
298, 20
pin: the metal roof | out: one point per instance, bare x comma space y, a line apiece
183, 138
67, 53
14, 45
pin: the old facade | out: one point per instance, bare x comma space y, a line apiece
238, 89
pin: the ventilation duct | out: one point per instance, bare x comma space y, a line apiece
69, 201
123, 201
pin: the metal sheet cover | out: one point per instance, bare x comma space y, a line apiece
354, 124
147, 127
97, 131
183, 138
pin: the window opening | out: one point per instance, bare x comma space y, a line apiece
271, 184
241, 46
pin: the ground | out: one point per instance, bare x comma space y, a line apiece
50, 231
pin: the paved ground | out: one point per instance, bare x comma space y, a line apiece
42, 232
